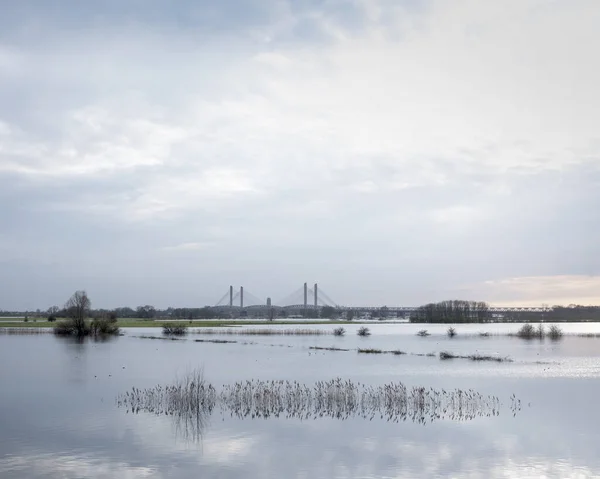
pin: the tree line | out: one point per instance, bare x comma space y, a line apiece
454, 311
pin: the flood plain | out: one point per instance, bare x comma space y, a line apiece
61, 416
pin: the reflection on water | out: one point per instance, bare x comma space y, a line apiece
192, 400
58, 417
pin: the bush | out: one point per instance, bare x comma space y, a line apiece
527, 331
339, 331
64, 328
51, 318
104, 326
363, 331
26, 319
555, 333
423, 333
174, 329
451, 332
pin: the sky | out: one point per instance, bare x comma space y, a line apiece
396, 152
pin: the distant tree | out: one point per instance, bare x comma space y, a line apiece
383, 312
146, 312
350, 315
328, 312
78, 309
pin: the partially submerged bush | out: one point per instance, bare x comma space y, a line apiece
363, 331
339, 331
451, 332
555, 333
104, 326
423, 333
174, 329
527, 331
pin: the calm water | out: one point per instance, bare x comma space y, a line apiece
59, 418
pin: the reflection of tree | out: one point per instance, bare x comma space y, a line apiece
191, 401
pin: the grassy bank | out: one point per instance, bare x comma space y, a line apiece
144, 323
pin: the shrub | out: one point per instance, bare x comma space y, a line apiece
363, 331
104, 326
339, 331
555, 333
527, 331
174, 329
451, 332
51, 318
26, 319
423, 333
64, 328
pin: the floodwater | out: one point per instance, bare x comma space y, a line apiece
59, 416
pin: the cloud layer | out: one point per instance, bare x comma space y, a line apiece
395, 152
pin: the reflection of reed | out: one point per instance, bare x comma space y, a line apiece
191, 401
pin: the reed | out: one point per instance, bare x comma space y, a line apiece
25, 331
191, 400
264, 332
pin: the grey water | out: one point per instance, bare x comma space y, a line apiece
59, 416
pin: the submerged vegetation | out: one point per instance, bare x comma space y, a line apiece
423, 333
339, 331
266, 331
174, 329
191, 400
451, 332
444, 355
363, 331
77, 310
528, 331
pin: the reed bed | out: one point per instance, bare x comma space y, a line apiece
192, 400
263, 332
25, 331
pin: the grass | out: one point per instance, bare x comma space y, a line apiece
204, 323
191, 400
370, 351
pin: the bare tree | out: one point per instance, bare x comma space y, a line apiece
78, 308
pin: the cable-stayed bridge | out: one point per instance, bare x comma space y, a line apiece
314, 298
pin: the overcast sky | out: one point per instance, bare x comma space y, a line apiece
396, 152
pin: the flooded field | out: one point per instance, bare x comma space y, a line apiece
263, 404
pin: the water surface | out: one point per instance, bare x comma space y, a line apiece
59, 414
